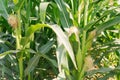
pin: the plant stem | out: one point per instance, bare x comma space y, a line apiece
82, 73
85, 23
80, 9
17, 39
83, 44
119, 77
86, 2
18, 45
21, 67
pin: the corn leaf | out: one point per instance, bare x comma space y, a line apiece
64, 16
3, 11
108, 24
43, 8
45, 48
49, 59
34, 60
2, 55
63, 38
32, 64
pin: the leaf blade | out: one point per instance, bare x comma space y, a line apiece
43, 7
58, 31
108, 24
32, 64
3, 11
64, 16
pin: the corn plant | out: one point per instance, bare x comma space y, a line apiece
80, 38
84, 22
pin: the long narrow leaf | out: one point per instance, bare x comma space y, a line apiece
3, 10
8, 52
49, 59
65, 41
34, 61
45, 48
43, 8
101, 70
61, 57
63, 38
108, 24
32, 64
64, 16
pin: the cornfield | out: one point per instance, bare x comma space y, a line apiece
59, 39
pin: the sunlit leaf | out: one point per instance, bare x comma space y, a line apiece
60, 34
15, 1
61, 57
43, 8
2, 55
62, 60
65, 41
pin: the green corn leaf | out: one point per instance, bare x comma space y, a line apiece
3, 11
32, 64
4, 47
101, 70
34, 61
59, 33
108, 24
64, 15
45, 48
28, 12
31, 30
43, 8
6, 70
19, 5
2, 55
49, 59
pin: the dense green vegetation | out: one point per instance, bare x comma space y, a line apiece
59, 40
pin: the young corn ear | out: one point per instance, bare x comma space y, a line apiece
90, 38
89, 63
13, 21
